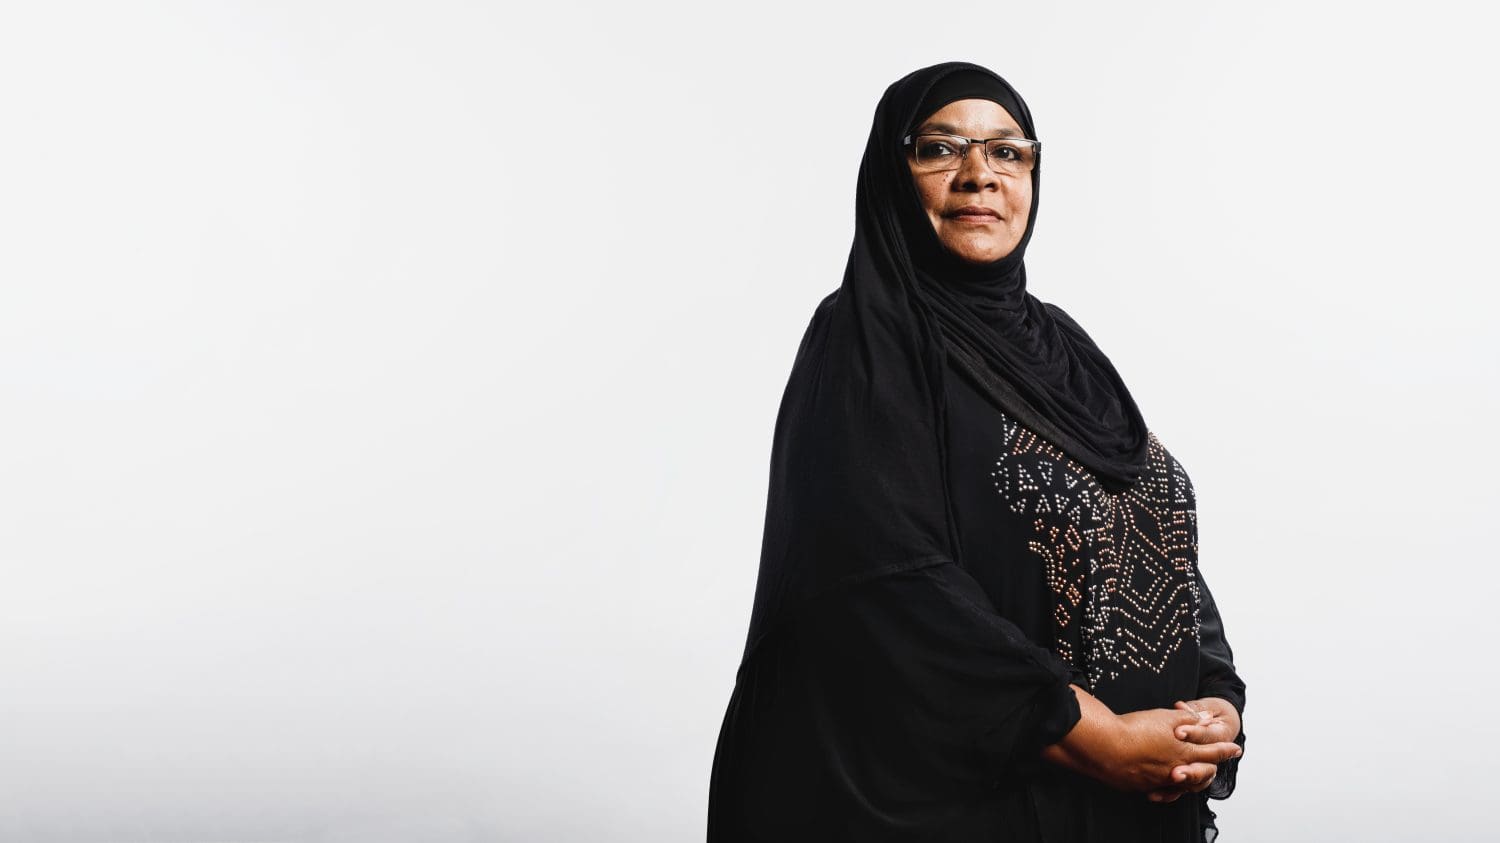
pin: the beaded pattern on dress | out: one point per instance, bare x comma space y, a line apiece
1121, 566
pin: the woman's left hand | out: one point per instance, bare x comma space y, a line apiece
1217, 721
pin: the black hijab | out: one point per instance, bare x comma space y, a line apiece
858, 483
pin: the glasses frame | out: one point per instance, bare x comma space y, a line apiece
984, 147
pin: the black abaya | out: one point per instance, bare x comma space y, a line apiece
909, 652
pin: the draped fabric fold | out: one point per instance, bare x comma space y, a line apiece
902, 707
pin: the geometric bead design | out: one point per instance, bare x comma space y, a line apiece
1121, 567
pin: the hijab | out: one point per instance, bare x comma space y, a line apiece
858, 485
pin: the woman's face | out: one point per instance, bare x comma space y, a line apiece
1000, 203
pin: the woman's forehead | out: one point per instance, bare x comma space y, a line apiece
972, 117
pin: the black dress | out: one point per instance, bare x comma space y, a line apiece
1108, 581
913, 706
933, 575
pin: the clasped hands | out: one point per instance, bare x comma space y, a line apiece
1214, 723
1163, 752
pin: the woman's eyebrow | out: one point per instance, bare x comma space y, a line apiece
953, 130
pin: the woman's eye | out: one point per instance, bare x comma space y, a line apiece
937, 149
1005, 152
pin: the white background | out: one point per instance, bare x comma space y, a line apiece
388, 389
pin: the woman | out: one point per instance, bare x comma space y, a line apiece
979, 614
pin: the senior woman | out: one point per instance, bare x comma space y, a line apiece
979, 614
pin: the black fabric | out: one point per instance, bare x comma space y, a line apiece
966, 84
882, 695
1109, 580
1218, 678
902, 708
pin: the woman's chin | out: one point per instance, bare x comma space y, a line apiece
975, 246
977, 254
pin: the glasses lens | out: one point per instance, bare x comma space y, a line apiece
937, 152
1011, 157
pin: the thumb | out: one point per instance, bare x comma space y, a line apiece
1183, 720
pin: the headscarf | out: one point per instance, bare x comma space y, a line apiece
858, 485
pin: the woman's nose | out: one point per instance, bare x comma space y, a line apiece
974, 171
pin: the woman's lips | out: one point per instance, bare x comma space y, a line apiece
974, 215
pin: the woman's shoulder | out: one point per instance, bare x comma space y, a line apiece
817, 327
1062, 317
826, 305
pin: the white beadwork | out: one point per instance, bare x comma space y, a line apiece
1121, 566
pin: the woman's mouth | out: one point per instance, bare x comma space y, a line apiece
974, 214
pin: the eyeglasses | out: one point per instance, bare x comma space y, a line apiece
1009, 156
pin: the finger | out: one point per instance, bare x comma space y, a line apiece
1195, 777
1192, 776
1198, 711
1191, 734
1214, 732
1185, 718
1213, 704
1208, 731
1212, 753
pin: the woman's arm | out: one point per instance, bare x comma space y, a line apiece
1139, 751
1221, 692
1216, 673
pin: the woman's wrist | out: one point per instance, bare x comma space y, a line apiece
1094, 740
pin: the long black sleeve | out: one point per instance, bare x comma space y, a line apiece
901, 708
1217, 678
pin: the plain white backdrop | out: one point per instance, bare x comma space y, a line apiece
388, 389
